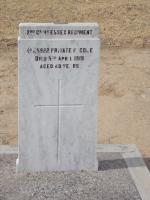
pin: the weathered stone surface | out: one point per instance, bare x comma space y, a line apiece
58, 97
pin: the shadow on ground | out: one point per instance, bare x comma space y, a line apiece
121, 163
147, 162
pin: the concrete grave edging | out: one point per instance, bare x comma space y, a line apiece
133, 158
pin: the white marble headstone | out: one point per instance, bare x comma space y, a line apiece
58, 96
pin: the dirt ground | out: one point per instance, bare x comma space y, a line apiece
124, 115
123, 23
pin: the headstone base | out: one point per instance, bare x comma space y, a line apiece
20, 168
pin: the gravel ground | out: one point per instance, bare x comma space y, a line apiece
111, 182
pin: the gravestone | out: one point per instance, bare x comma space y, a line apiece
58, 96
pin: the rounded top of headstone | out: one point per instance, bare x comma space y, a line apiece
58, 30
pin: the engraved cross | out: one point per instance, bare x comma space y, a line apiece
58, 105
